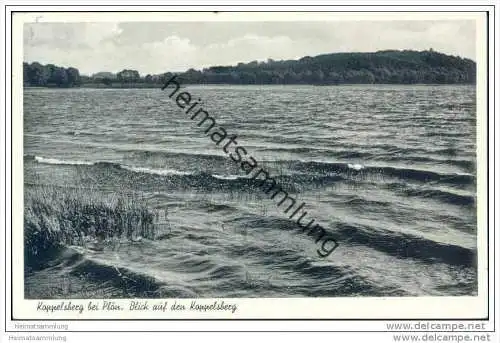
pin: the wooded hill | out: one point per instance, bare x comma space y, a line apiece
389, 66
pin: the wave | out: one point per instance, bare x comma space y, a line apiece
296, 174
397, 244
328, 167
180, 177
345, 154
226, 177
355, 166
404, 245
419, 175
382, 152
106, 164
45, 160
156, 154
363, 203
183, 175
81, 133
155, 171
126, 282
467, 165
445, 196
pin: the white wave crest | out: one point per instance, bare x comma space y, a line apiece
355, 166
45, 160
156, 171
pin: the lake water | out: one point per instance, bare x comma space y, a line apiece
390, 171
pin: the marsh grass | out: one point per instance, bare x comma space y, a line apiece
58, 216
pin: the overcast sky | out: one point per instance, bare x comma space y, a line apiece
176, 46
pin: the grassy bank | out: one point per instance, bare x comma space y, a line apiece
58, 216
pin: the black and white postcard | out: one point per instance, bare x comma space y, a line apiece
231, 165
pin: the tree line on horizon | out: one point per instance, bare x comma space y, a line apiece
388, 66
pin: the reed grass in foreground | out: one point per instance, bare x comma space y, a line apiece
58, 216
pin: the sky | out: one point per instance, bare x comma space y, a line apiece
158, 47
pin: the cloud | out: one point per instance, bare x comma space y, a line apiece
176, 46
68, 35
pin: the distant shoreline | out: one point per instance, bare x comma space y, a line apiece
152, 86
381, 67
